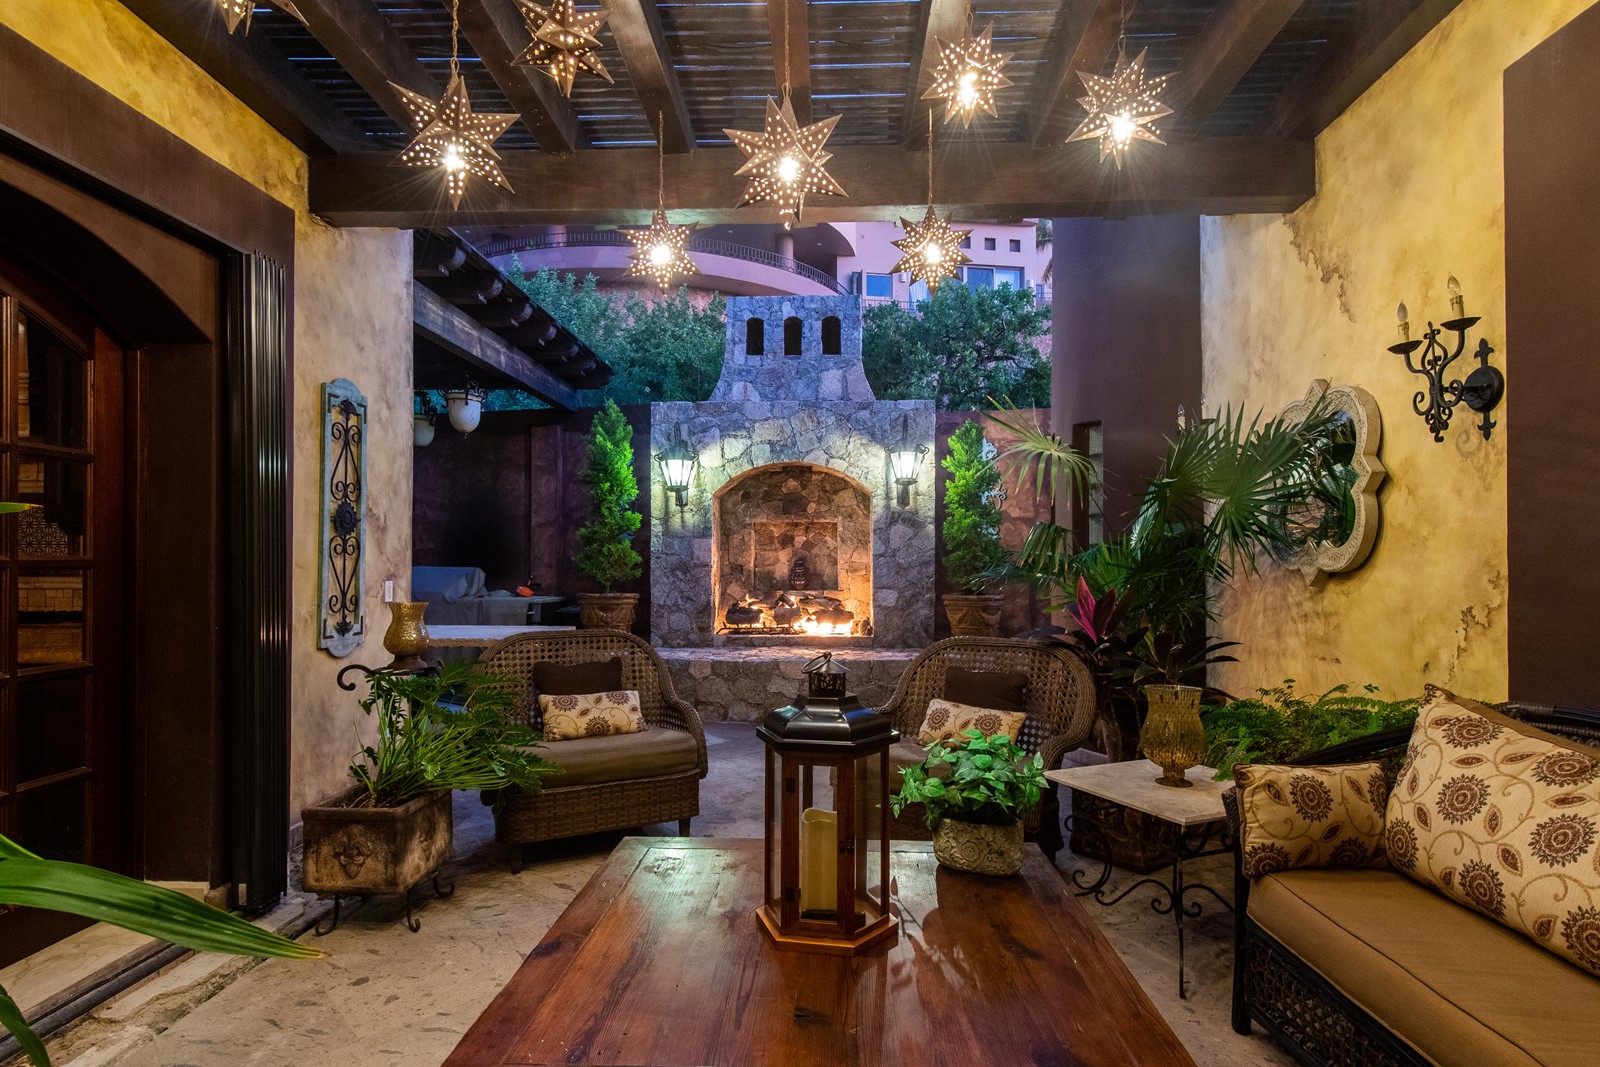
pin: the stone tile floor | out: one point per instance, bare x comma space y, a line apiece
397, 999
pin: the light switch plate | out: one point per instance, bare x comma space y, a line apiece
388, 590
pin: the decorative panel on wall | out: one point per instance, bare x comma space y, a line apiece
341, 618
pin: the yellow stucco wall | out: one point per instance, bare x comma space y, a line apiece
1410, 190
352, 320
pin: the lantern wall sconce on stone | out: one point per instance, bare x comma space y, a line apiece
1482, 389
466, 406
904, 460
677, 462
827, 827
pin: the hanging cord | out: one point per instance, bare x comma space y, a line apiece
930, 157
785, 48
1122, 32
455, 33
661, 161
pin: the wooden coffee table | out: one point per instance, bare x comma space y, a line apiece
660, 962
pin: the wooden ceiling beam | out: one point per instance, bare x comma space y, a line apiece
936, 20
1323, 91
1085, 34
636, 27
1233, 39
371, 51
498, 34
252, 69
798, 65
435, 318
976, 180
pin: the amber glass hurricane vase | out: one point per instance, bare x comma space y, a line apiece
1173, 737
407, 637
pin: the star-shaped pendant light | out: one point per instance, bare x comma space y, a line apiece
661, 250
968, 75
931, 250
1121, 107
236, 13
565, 42
787, 161
450, 136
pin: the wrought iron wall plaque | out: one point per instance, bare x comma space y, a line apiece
341, 621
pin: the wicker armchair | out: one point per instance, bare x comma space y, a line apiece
1060, 706
568, 811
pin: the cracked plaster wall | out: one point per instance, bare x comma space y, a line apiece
1410, 190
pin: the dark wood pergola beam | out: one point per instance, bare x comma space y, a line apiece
636, 27
799, 59
1233, 39
1086, 32
480, 348
936, 19
976, 180
371, 50
253, 70
498, 34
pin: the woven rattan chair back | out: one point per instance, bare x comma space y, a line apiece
642, 669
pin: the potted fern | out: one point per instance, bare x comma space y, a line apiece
605, 543
974, 793
971, 534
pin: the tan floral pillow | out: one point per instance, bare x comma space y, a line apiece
591, 715
947, 721
1310, 816
1504, 818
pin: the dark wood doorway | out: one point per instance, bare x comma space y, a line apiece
63, 699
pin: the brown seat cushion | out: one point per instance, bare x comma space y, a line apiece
999, 690
591, 760
575, 679
1460, 987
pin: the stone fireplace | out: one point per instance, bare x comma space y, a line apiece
791, 532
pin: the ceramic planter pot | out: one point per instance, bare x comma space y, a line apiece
978, 847
369, 851
973, 615
607, 611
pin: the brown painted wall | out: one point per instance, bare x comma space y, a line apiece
1126, 333
1552, 157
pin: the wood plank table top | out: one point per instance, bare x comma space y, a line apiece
660, 962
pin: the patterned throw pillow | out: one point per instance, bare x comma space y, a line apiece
947, 721
591, 715
1504, 818
1310, 816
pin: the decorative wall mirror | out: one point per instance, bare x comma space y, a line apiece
1334, 538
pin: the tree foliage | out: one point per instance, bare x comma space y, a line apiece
972, 496
605, 543
966, 346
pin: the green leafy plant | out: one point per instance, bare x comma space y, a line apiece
981, 779
26, 880
426, 744
1279, 725
605, 543
972, 495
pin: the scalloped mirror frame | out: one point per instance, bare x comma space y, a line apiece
1316, 561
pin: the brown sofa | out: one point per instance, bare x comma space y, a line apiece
1358, 967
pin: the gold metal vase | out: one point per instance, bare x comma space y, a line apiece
406, 639
1173, 737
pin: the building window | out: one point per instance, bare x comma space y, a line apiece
1088, 513
755, 337
832, 339
980, 277
988, 244
880, 285
966, 242
791, 336
1016, 245
1011, 276
919, 293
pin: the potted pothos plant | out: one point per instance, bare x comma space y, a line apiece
437, 732
970, 536
974, 793
605, 543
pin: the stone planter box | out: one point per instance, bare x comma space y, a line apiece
370, 851
607, 611
974, 614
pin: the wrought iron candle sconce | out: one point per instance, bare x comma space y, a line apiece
1482, 389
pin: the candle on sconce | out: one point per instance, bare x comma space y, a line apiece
1458, 307
1404, 318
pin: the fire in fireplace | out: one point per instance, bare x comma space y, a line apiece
794, 611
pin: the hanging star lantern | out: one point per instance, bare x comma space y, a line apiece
931, 250
660, 251
1121, 107
565, 42
450, 136
236, 13
786, 161
968, 75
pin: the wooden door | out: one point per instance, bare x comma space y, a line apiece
62, 699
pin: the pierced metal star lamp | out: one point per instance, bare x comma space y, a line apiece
786, 161
450, 136
236, 13
968, 75
565, 42
930, 250
1121, 107
661, 250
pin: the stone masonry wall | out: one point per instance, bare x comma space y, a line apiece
810, 374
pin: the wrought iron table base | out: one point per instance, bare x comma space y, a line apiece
329, 925
1171, 896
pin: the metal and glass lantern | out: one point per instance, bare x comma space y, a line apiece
465, 406
677, 462
904, 459
827, 824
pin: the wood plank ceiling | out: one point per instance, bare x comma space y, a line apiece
1254, 81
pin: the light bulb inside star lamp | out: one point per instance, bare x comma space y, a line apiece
660, 255
788, 169
453, 160
967, 90
933, 254
1122, 127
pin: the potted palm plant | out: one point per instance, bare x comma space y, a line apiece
974, 793
971, 534
605, 543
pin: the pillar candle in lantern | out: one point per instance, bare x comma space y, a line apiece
819, 862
